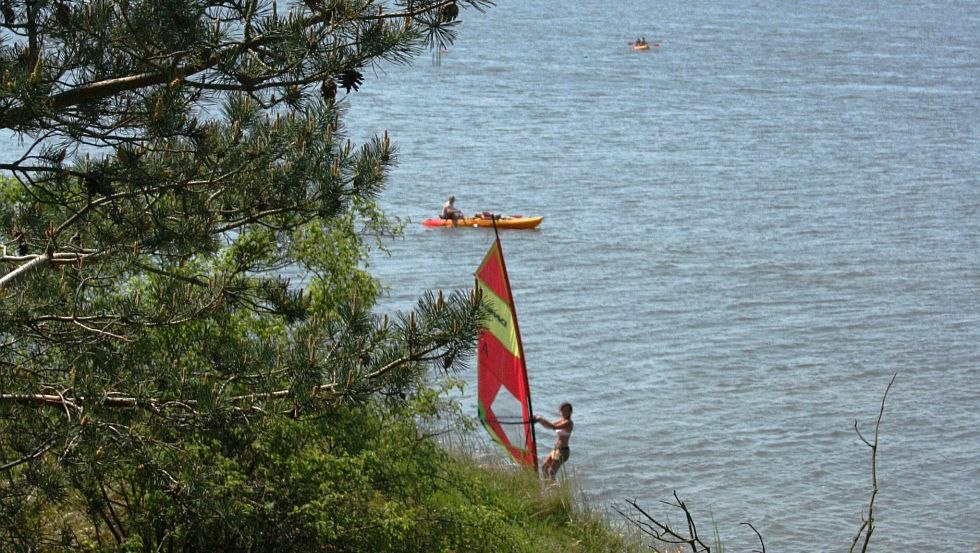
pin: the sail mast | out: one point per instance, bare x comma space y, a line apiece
503, 389
520, 344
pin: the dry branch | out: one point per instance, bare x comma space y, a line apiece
868, 524
663, 531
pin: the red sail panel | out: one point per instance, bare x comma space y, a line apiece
502, 387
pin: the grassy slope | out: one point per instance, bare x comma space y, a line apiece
544, 519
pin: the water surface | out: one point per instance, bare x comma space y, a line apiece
749, 229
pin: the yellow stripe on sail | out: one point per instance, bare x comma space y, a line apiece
501, 320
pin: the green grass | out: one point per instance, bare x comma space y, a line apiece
547, 518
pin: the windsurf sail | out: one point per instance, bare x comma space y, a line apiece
502, 387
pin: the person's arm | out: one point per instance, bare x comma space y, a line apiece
559, 424
543, 422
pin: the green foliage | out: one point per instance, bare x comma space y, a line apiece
189, 354
360, 479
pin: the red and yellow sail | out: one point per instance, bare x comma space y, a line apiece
502, 386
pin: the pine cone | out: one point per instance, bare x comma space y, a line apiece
62, 14
317, 7
351, 79
329, 90
97, 182
9, 15
22, 246
448, 13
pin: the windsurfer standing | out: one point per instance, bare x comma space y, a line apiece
563, 428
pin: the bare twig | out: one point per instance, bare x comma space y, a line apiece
41, 450
663, 532
758, 535
868, 524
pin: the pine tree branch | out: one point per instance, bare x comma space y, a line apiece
41, 450
157, 406
40, 260
94, 91
46, 400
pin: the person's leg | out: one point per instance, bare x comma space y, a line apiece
548, 467
558, 458
556, 466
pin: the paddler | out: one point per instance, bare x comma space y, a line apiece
563, 428
450, 211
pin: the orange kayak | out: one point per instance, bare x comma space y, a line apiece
512, 222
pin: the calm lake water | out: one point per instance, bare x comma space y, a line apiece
749, 229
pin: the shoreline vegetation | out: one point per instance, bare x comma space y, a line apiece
390, 488
555, 517
416, 491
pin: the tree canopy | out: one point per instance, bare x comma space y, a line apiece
189, 352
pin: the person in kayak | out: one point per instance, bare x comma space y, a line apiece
563, 428
450, 211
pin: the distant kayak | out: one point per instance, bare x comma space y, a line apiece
505, 222
641, 46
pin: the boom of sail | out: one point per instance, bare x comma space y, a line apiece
502, 386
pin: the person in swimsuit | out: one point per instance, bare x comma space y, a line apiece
563, 428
